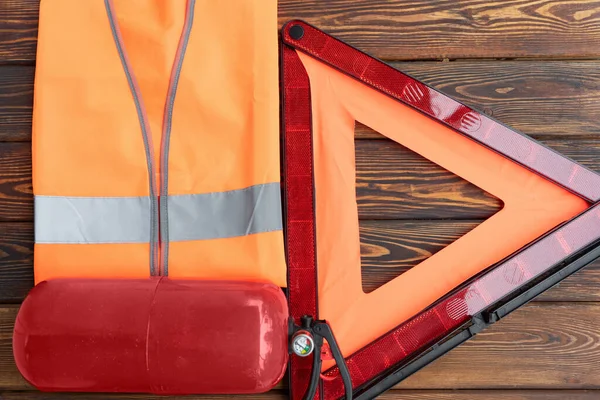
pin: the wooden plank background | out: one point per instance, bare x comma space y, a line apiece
533, 64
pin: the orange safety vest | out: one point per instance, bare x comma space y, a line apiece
155, 140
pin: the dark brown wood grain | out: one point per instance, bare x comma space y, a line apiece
16, 199
542, 99
392, 395
10, 378
424, 29
389, 248
401, 30
18, 30
541, 346
16, 261
16, 101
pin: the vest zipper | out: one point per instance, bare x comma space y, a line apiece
166, 138
159, 234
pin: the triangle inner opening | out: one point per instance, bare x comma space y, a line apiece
409, 207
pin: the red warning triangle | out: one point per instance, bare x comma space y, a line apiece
329, 85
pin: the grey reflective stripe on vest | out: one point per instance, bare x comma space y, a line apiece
86, 220
96, 220
256, 209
